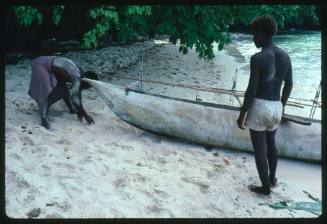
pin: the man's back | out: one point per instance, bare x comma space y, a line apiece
274, 67
65, 69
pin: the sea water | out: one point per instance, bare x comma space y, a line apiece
304, 49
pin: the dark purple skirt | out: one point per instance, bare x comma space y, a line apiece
43, 80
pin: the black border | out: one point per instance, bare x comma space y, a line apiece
5, 219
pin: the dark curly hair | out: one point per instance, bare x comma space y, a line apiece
264, 24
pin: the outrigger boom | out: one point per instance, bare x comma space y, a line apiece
235, 93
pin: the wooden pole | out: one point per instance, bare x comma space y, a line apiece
207, 89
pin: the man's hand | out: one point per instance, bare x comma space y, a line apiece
72, 111
89, 119
81, 114
240, 121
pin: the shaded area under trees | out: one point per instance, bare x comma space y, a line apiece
39, 28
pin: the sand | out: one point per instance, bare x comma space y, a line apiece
114, 170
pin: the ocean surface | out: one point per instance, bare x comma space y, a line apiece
304, 48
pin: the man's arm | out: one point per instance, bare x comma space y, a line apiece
77, 102
288, 85
252, 86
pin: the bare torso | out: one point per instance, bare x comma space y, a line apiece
274, 65
269, 68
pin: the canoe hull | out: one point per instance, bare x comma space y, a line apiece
204, 124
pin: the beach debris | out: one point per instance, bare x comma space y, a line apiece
34, 213
30, 132
16, 103
249, 211
310, 196
215, 154
313, 207
64, 142
52, 204
65, 206
226, 160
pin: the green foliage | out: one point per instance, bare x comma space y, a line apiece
194, 26
56, 14
281, 13
127, 20
27, 14
134, 20
138, 10
305, 13
106, 16
201, 26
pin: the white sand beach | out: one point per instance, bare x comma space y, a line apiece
114, 170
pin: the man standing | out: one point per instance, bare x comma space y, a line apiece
262, 102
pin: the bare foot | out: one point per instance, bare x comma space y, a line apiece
273, 184
259, 190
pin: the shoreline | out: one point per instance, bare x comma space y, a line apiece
137, 174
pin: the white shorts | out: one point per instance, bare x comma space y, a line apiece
264, 115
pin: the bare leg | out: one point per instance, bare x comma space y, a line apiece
81, 113
44, 116
258, 139
56, 94
70, 105
272, 155
68, 99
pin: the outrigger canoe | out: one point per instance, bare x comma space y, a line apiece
205, 123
